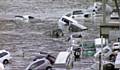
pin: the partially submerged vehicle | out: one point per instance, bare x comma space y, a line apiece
70, 24
114, 15
64, 61
48, 56
67, 24
40, 64
25, 18
5, 56
81, 15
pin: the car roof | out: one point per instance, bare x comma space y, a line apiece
37, 61
69, 18
43, 59
3, 51
62, 57
116, 43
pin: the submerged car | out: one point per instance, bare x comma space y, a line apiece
49, 57
114, 15
66, 23
4, 56
40, 64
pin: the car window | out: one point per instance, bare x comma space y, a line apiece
3, 54
68, 15
87, 15
77, 36
65, 20
115, 44
51, 59
33, 66
77, 12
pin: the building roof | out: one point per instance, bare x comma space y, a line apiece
110, 24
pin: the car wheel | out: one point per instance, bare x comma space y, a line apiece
49, 68
5, 61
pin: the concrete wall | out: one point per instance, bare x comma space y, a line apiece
114, 35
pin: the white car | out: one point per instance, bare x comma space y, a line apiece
69, 24
40, 64
82, 14
25, 18
114, 15
4, 56
116, 45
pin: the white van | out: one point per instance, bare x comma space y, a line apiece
64, 22
67, 23
64, 61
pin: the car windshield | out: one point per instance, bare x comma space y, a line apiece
66, 21
68, 15
35, 65
3, 54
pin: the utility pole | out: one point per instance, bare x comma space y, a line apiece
104, 22
104, 11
